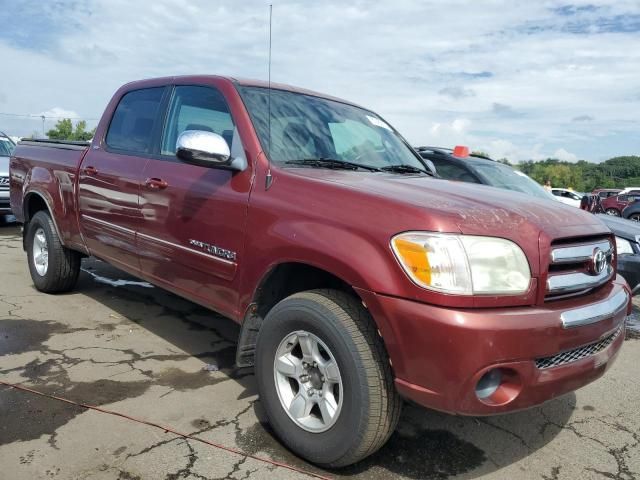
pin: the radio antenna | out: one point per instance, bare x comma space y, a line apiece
269, 178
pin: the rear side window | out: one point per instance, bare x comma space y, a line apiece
134, 121
197, 108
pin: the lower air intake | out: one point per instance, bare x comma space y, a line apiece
578, 353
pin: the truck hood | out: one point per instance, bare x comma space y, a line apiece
468, 208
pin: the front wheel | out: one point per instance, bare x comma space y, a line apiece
53, 267
324, 378
634, 217
612, 211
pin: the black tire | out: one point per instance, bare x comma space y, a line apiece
613, 212
63, 264
370, 404
634, 217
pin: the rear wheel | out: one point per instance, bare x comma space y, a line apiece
635, 217
612, 212
324, 378
53, 267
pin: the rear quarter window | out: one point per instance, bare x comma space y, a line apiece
134, 121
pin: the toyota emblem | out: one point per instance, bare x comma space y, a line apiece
598, 261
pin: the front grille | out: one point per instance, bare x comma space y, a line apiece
578, 353
571, 271
4, 183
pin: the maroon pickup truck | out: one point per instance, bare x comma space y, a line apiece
359, 279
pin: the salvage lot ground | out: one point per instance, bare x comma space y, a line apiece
140, 351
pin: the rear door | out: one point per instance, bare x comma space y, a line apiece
110, 178
192, 232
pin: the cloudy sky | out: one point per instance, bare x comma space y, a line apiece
517, 79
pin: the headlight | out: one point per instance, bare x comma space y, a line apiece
462, 264
623, 246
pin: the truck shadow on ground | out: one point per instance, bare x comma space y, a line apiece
426, 444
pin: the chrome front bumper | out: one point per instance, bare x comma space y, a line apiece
595, 312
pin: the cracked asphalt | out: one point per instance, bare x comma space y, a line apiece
120, 344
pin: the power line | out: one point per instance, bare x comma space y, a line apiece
33, 116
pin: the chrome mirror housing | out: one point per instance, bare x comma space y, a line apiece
203, 148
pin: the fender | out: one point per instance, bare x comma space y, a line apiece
48, 201
307, 248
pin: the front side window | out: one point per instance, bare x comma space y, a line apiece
309, 127
197, 108
132, 126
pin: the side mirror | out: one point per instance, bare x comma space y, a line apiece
206, 149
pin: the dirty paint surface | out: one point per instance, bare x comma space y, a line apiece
118, 343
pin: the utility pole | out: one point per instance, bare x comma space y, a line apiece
43, 117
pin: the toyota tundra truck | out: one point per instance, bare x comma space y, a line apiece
359, 279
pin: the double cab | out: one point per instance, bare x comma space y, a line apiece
359, 278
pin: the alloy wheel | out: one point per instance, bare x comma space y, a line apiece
40, 252
308, 381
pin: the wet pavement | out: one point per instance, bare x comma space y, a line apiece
127, 347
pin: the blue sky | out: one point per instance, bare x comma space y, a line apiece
519, 79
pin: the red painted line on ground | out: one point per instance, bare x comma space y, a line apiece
166, 429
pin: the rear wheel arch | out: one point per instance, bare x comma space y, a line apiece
35, 202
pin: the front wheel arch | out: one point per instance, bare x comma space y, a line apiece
280, 282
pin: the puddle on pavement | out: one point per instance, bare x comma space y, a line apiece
180, 380
17, 336
34, 415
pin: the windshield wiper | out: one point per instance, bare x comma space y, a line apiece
323, 162
404, 169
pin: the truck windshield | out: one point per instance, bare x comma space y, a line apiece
305, 127
6, 147
502, 176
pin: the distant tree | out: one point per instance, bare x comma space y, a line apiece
64, 131
585, 176
480, 153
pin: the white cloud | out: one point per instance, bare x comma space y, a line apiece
428, 82
562, 154
57, 113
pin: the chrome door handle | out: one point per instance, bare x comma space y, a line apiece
156, 183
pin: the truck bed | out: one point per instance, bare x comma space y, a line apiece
48, 169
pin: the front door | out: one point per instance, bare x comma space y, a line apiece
191, 236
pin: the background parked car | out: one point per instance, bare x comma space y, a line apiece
6, 149
462, 166
470, 168
628, 247
615, 205
606, 192
632, 211
568, 197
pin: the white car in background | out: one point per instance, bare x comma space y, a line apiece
567, 196
6, 149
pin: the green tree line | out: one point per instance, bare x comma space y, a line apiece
583, 176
